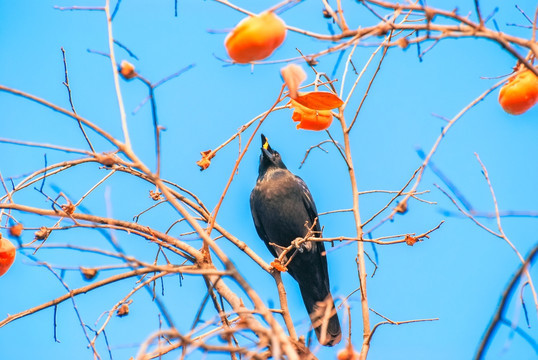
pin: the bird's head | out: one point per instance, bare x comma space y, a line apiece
269, 159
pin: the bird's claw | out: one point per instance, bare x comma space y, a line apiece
300, 247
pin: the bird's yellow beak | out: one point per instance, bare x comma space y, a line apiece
265, 145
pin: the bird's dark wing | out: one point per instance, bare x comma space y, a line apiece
255, 208
311, 272
309, 204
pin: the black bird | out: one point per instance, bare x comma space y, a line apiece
283, 210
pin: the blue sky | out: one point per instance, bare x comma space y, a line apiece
458, 275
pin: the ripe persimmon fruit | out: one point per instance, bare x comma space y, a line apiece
255, 37
7, 255
310, 119
16, 230
520, 93
347, 354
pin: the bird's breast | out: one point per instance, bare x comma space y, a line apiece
278, 186
280, 208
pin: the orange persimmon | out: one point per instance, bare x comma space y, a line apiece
319, 100
255, 37
347, 353
520, 93
16, 230
7, 255
310, 119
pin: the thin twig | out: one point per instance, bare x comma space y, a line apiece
238, 161
115, 76
66, 83
488, 336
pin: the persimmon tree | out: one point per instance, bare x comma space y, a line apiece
133, 244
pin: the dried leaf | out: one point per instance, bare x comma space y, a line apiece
206, 160
42, 234
319, 100
293, 76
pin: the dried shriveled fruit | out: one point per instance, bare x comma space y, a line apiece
123, 310
411, 240
277, 265
155, 195
88, 273
127, 70
107, 159
69, 208
401, 208
206, 159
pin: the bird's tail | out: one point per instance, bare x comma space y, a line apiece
323, 317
